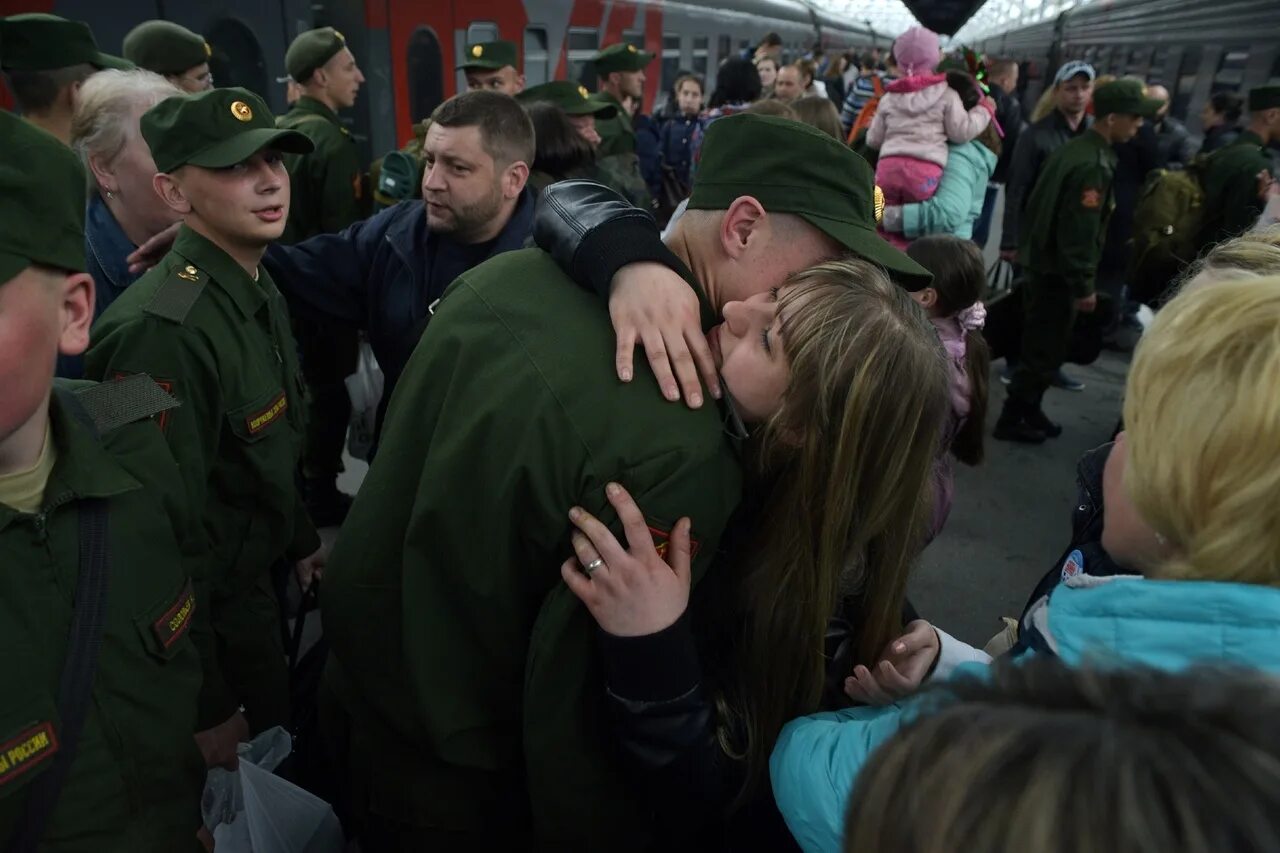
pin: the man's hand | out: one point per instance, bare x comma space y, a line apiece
652, 306
1010, 255
904, 665
1087, 305
149, 253
218, 744
312, 567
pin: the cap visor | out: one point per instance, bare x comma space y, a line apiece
245, 145
481, 65
866, 243
591, 107
107, 62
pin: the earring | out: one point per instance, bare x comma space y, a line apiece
110, 194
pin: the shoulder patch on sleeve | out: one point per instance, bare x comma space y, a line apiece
1091, 198
177, 294
27, 750
126, 398
661, 534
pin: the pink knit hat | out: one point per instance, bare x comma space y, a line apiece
917, 51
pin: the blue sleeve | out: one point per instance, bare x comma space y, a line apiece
328, 274
650, 157
950, 206
815, 764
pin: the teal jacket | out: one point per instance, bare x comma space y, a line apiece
958, 202
1123, 620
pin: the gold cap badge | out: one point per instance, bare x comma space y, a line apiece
241, 111
582, 90
208, 51
878, 204
340, 36
631, 48
477, 50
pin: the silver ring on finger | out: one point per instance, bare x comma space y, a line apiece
589, 568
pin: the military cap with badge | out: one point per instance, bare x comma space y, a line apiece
215, 129
1124, 97
489, 56
165, 47
40, 42
311, 50
620, 57
571, 97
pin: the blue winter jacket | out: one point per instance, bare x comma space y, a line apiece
677, 146
958, 201
1121, 620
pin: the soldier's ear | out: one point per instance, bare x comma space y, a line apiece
76, 309
744, 217
170, 191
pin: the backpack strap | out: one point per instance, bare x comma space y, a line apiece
75, 686
177, 294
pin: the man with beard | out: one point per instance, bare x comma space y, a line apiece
384, 274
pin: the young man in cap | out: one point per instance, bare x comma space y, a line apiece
1237, 175
209, 325
620, 78
492, 65
464, 667
97, 613
1062, 238
45, 59
327, 196
172, 51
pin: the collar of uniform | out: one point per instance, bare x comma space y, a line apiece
308, 104
1249, 138
734, 426
247, 294
84, 469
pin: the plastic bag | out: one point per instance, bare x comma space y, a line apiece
251, 810
364, 387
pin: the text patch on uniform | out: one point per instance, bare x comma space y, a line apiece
662, 540
175, 621
261, 420
28, 750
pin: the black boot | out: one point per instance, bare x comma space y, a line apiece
1013, 425
1038, 419
326, 505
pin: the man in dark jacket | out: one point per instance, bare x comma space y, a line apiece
1174, 146
1003, 77
1072, 86
384, 274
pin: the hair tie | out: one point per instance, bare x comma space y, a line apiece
973, 318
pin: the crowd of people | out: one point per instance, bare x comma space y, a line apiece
587, 600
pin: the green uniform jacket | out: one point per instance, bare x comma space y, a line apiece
220, 343
327, 184
467, 665
1066, 217
1230, 178
137, 776
617, 136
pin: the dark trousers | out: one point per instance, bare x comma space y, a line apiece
328, 352
246, 627
1049, 310
982, 226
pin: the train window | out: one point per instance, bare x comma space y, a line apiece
1275, 72
1230, 74
700, 49
536, 59
1188, 67
670, 60
1139, 62
725, 48
1159, 65
745, 45
426, 73
481, 31
635, 37
583, 44
237, 60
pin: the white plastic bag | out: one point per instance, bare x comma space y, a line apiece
252, 810
364, 387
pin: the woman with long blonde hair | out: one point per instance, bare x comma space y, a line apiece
844, 381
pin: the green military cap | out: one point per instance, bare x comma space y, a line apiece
571, 97
620, 57
311, 50
1124, 96
39, 42
42, 198
1264, 98
791, 167
489, 55
215, 129
165, 47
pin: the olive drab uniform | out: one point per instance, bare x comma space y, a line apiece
1230, 179
136, 778
220, 343
466, 666
617, 164
1062, 236
327, 196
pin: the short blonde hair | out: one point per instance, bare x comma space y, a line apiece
105, 120
1255, 254
1202, 415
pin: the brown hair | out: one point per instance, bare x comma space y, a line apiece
772, 107
846, 465
36, 91
1057, 760
560, 149
959, 275
819, 112
505, 129
806, 69
964, 85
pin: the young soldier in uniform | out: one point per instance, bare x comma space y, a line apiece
492, 65
96, 608
620, 75
209, 325
462, 663
1236, 177
1066, 223
172, 51
45, 59
327, 196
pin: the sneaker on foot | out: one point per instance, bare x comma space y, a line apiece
1066, 383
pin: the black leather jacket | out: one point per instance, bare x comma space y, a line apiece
1034, 146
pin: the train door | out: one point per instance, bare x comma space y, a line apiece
249, 39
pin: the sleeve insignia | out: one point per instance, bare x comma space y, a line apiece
1091, 199
27, 750
166, 385
662, 541
175, 621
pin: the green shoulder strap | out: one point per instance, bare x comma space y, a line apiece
176, 296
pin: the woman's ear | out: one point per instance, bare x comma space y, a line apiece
103, 175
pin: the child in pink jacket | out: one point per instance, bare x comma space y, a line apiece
917, 117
